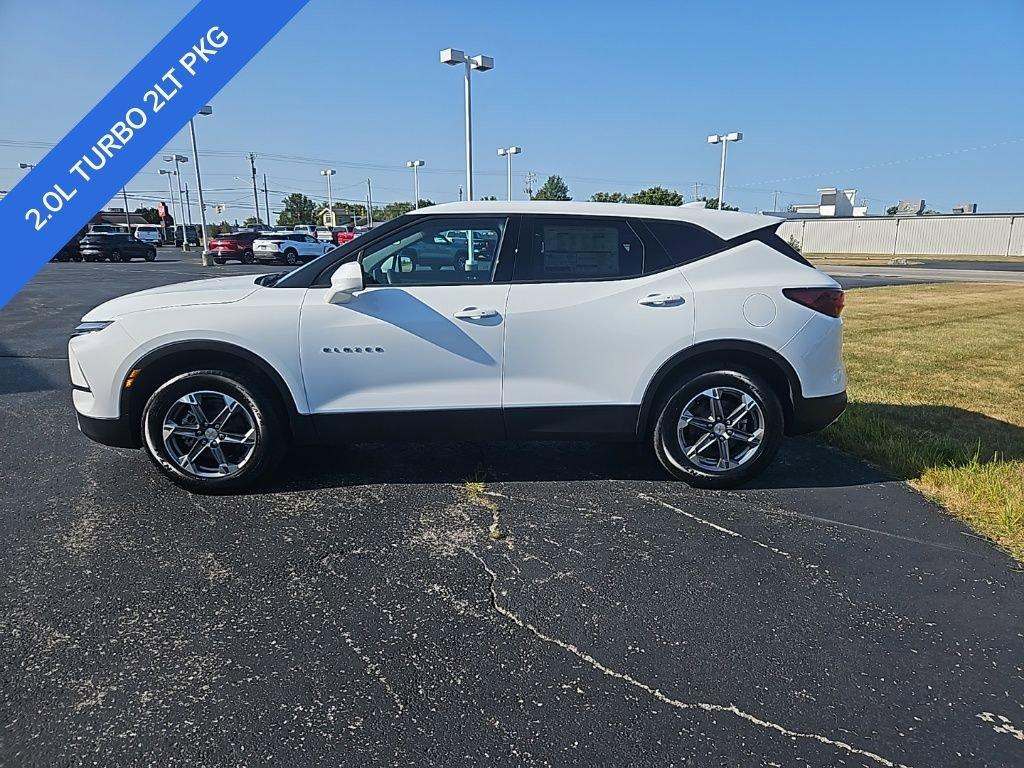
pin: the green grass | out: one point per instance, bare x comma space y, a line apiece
937, 397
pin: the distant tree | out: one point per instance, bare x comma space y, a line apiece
391, 211
151, 215
426, 203
608, 197
891, 210
297, 209
657, 196
712, 202
252, 220
488, 197
931, 212
554, 188
218, 229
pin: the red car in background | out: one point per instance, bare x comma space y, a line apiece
234, 245
344, 236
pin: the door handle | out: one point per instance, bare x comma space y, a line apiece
661, 300
475, 313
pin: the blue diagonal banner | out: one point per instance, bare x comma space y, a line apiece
128, 127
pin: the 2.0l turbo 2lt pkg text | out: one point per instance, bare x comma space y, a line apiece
699, 332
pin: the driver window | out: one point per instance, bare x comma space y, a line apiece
436, 251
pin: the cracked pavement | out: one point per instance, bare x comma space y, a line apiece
473, 604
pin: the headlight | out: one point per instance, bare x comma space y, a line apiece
90, 327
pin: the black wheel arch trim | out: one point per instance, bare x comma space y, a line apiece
722, 347
301, 425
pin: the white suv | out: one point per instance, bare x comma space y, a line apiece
290, 248
698, 332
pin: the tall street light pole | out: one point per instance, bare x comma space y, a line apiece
205, 110
415, 165
482, 63
181, 195
507, 153
724, 140
328, 172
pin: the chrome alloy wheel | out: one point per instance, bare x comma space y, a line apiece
209, 434
720, 429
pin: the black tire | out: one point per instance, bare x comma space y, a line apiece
291, 258
731, 385
220, 261
151, 254
247, 257
270, 436
115, 256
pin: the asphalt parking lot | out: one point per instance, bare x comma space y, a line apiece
476, 604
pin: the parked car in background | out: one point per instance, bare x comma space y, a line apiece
343, 235
324, 234
700, 334
290, 248
306, 229
235, 245
150, 233
188, 230
99, 246
71, 250
109, 228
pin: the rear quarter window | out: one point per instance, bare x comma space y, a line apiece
681, 243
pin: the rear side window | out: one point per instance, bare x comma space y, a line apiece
567, 249
682, 242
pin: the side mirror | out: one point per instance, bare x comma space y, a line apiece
345, 282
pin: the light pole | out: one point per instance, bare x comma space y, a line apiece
507, 153
206, 110
328, 172
170, 194
483, 63
181, 195
724, 140
415, 165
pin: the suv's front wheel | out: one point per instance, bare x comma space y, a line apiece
213, 431
718, 429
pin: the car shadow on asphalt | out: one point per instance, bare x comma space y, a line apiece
20, 374
801, 463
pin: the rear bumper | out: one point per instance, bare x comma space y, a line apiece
116, 433
811, 414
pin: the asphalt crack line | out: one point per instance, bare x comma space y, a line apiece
730, 709
716, 526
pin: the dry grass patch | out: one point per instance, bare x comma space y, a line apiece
937, 397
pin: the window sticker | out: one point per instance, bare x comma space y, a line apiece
580, 251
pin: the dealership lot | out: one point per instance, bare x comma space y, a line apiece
548, 604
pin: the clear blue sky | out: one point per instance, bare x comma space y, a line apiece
894, 99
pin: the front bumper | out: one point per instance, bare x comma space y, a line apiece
116, 433
811, 414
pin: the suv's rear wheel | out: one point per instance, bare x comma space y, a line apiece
247, 257
213, 431
718, 429
291, 258
116, 256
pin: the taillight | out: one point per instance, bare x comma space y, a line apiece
828, 301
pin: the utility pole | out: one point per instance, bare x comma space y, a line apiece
369, 204
531, 177
255, 195
775, 205
188, 204
127, 219
460, 193
266, 199
696, 190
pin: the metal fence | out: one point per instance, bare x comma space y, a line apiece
895, 236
